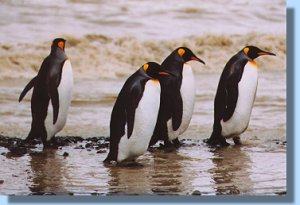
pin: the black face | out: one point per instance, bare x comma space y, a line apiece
253, 52
154, 70
59, 43
187, 55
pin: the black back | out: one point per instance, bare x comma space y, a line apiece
124, 110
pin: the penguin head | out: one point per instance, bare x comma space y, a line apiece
187, 55
154, 70
58, 43
253, 52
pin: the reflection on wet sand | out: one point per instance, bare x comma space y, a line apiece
231, 171
157, 172
48, 170
248, 170
168, 176
129, 180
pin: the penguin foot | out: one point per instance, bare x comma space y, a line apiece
177, 143
109, 163
49, 145
237, 140
217, 142
167, 146
151, 149
23, 143
130, 164
28, 141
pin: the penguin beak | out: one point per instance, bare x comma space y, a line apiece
195, 58
261, 53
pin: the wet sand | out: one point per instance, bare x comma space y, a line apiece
194, 169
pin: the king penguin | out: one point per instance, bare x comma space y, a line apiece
54, 82
177, 99
235, 96
134, 114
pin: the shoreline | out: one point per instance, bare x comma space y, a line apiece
101, 57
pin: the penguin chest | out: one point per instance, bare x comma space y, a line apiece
144, 123
187, 91
247, 92
65, 94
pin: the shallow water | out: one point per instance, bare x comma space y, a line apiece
243, 170
34, 21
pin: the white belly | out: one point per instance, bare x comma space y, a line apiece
65, 94
239, 121
187, 91
145, 120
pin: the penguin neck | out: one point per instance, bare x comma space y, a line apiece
173, 65
57, 52
253, 64
142, 73
244, 56
251, 61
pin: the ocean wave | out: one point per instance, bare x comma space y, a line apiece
102, 57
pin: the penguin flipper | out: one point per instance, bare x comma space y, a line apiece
232, 94
52, 84
55, 103
174, 102
27, 88
130, 112
135, 95
177, 110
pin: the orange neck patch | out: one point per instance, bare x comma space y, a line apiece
154, 81
253, 64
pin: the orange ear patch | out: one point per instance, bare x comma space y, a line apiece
181, 51
246, 50
145, 66
61, 44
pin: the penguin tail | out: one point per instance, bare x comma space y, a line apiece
27, 88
